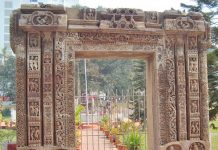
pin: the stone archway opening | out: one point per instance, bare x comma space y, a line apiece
47, 40
113, 113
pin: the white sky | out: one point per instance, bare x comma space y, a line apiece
147, 5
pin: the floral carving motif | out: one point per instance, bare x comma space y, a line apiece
122, 11
171, 96
185, 23
88, 37
174, 147
122, 23
42, 18
197, 146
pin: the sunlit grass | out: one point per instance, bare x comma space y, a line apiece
214, 135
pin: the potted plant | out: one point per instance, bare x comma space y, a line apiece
132, 140
114, 134
78, 123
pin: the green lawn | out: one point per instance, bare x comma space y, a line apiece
214, 136
7, 135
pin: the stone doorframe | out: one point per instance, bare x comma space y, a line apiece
47, 38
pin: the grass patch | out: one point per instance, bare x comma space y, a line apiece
214, 135
7, 135
215, 122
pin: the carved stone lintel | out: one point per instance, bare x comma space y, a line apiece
184, 23
43, 20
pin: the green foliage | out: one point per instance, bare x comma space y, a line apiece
139, 75
138, 81
132, 140
105, 75
6, 112
105, 119
7, 135
79, 109
213, 83
1, 118
7, 75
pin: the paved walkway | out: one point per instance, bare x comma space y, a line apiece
94, 139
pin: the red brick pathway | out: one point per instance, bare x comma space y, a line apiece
94, 139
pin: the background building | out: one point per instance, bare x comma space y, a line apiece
6, 8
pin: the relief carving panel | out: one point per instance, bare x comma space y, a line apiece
193, 88
34, 89
47, 71
197, 146
171, 95
181, 88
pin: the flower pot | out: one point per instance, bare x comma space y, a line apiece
106, 133
117, 142
122, 147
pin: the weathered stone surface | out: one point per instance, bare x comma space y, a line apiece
47, 39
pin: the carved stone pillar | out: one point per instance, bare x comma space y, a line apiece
203, 81
34, 89
60, 58
192, 72
21, 106
161, 65
18, 44
181, 88
70, 96
47, 86
170, 87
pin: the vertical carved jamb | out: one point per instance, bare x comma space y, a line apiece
34, 89
47, 86
18, 44
70, 52
203, 45
192, 88
60, 89
181, 88
170, 85
21, 92
161, 65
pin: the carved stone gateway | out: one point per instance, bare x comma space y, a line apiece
47, 39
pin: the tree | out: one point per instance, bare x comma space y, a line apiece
138, 81
6, 112
213, 83
209, 9
7, 77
